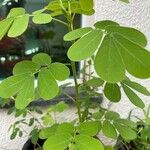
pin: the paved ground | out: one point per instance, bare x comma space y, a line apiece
7, 120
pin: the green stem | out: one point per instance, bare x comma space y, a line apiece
69, 96
73, 66
60, 22
70, 28
76, 90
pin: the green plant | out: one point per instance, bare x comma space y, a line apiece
142, 142
37, 119
112, 49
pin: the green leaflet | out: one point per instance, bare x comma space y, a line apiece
42, 18
65, 128
133, 97
136, 86
80, 11
78, 33
19, 26
14, 12
88, 143
108, 62
38, 11
57, 142
25, 66
47, 132
59, 71
112, 92
75, 7
55, 5
86, 46
34, 135
109, 148
86, 5
111, 115
126, 132
95, 82
4, 26
127, 122
26, 94
103, 24
109, 130
89, 128
42, 59
129, 33
56, 13
12, 85
47, 85
126, 1
57, 129
47, 119
74, 147
135, 58
59, 107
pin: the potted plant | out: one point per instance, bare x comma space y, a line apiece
114, 51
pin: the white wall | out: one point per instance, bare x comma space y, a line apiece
136, 14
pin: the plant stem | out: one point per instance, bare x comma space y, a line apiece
73, 66
69, 96
60, 22
76, 90
37, 120
70, 28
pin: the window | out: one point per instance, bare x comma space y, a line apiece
38, 38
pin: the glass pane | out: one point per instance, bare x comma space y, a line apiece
38, 38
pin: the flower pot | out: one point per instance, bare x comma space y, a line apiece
127, 146
30, 146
